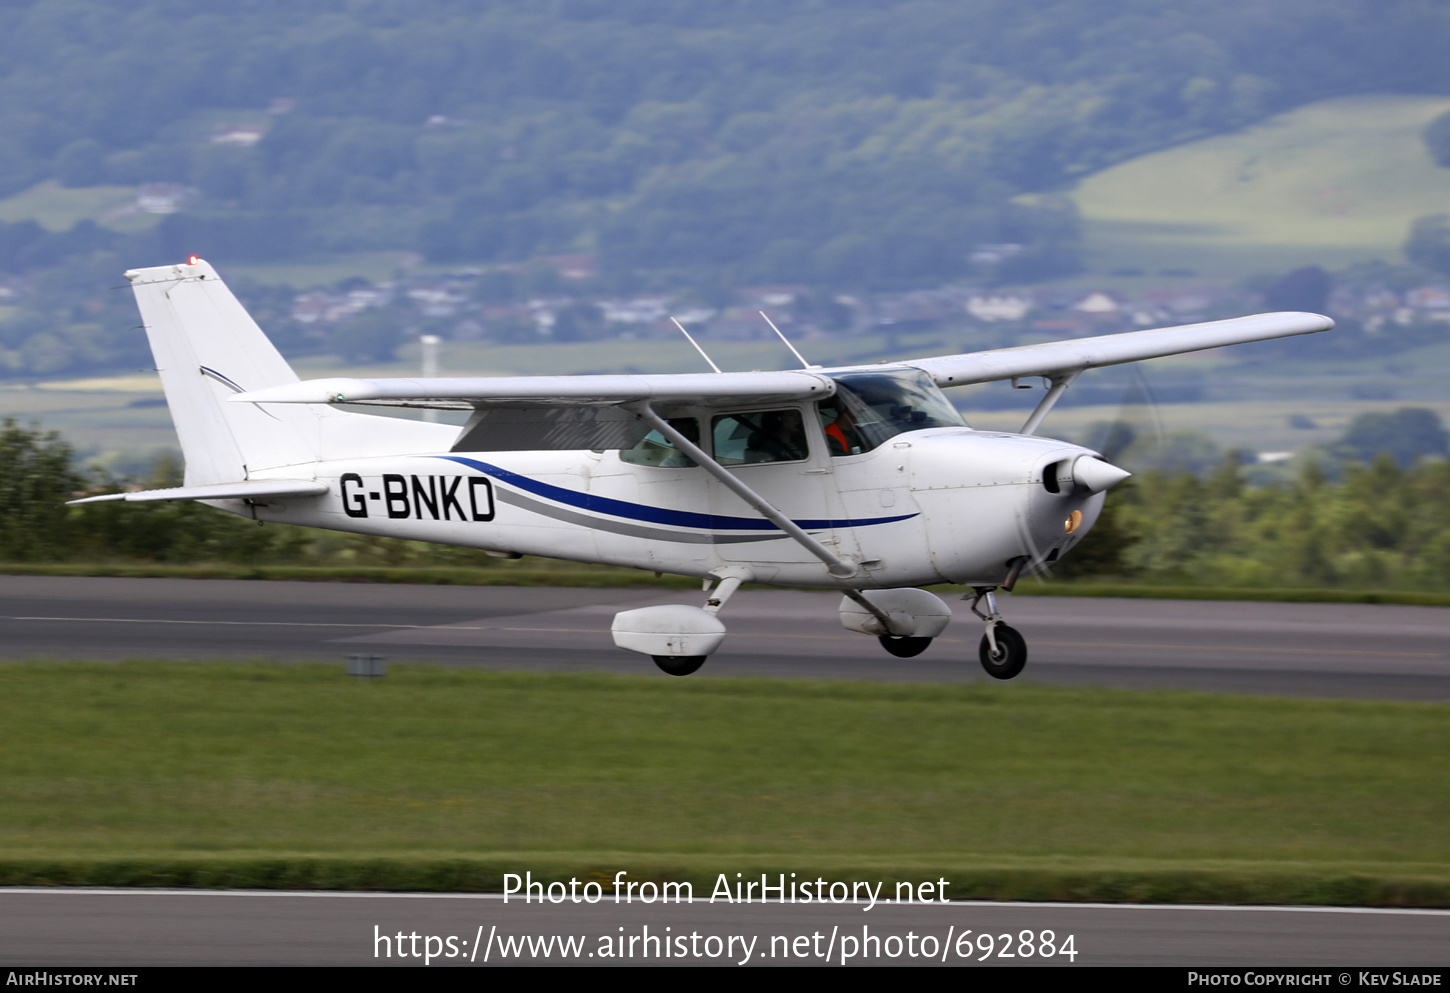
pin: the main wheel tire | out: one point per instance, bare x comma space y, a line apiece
679, 665
1011, 654
903, 647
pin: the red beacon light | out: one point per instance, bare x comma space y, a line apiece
192, 260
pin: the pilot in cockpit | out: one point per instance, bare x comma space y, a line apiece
779, 438
842, 434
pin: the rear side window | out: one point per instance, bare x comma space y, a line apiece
657, 450
759, 436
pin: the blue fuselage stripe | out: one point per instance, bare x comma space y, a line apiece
653, 515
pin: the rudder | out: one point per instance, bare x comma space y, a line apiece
207, 348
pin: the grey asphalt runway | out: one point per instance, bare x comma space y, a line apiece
1323, 650
1300, 649
119, 928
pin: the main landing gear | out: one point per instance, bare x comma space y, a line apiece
904, 621
1003, 650
679, 665
677, 637
903, 647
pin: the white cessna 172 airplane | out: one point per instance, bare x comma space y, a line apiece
863, 479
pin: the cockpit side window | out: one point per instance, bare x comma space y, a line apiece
656, 450
870, 408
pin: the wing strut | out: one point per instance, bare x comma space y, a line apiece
1060, 383
837, 566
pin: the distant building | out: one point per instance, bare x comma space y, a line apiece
320, 306
1148, 317
736, 326
1428, 298
1181, 300
573, 266
1006, 307
695, 315
163, 198
245, 137
1059, 325
921, 307
638, 310
1097, 304
989, 255
435, 301
760, 297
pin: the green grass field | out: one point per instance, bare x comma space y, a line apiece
58, 208
1332, 183
155, 766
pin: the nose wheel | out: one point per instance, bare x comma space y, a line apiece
1007, 656
1003, 651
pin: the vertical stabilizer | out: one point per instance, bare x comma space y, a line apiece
208, 348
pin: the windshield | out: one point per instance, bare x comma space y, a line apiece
871, 407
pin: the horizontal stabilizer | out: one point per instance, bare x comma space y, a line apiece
248, 489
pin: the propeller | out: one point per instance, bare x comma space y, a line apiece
1137, 425
1137, 429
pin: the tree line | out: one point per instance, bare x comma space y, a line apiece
1379, 525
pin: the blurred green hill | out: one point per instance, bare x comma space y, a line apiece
583, 151
1333, 183
833, 141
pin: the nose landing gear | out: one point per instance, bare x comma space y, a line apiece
1003, 651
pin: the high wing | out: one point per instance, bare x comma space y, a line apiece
558, 413
564, 391
1056, 358
572, 412
1047, 359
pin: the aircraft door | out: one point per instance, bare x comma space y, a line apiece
780, 455
653, 475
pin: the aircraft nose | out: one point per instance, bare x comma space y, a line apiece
1096, 475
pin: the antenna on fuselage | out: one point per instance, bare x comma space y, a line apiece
696, 344
798, 355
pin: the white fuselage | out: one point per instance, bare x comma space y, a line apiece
928, 506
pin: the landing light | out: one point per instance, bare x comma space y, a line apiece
1073, 520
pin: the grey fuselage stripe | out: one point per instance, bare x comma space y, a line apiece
523, 502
